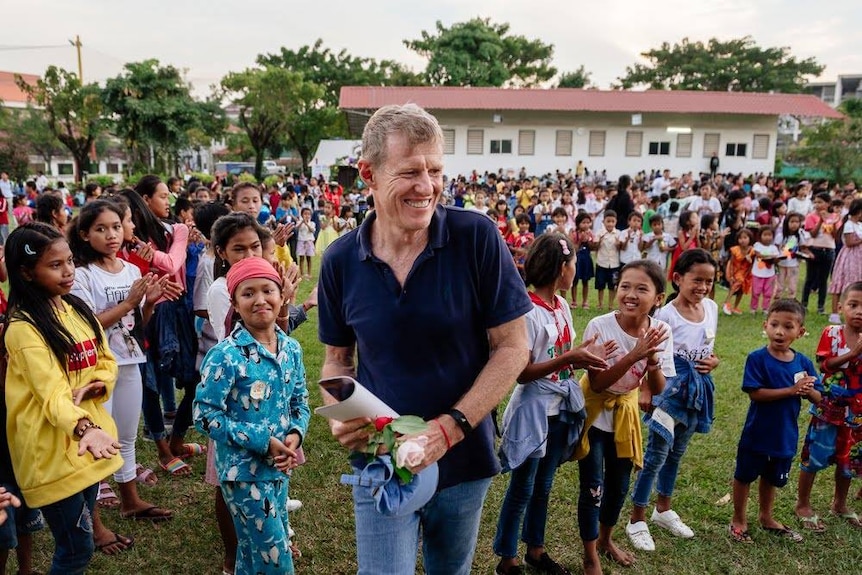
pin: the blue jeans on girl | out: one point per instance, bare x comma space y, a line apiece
71, 523
604, 480
529, 487
661, 462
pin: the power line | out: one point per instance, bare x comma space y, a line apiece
10, 48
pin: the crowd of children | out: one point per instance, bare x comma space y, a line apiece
149, 290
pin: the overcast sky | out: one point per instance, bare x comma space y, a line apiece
208, 38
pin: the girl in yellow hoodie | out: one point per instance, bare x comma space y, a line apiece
59, 373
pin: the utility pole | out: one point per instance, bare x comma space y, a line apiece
77, 44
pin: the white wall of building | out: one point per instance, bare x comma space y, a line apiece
654, 127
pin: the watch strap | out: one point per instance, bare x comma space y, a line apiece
461, 420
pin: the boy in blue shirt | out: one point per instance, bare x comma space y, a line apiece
776, 378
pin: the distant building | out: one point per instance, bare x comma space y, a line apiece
618, 131
833, 93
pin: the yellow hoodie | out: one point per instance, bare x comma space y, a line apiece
42, 416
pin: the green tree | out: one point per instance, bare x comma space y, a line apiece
737, 65
332, 70
29, 128
479, 52
579, 78
263, 97
73, 111
836, 145
310, 121
151, 105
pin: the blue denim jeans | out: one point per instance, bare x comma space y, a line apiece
661, 461
604, 482
529, 487
71, 523
449, 524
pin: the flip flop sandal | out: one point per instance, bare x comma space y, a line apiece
738, 535
192, 449
851, 518
124, 543
785, 532
106, 496
174, 466
145, 476
151, 513
812, 524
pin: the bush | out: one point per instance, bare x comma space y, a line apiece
132, 179
246, 178
270, 181
205, 179
103, 181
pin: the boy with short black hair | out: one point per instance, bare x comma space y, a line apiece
607, 258
776, 377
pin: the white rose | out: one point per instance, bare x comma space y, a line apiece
411, 452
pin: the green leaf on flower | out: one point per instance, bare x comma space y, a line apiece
409, 424
404, 475
389, 438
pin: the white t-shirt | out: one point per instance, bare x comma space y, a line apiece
218, 306
631, 251
760, 269
701, 206
693, 341
305, 231
797, 206
607, 254
103, 290
203, 281
566, 230
543, 331
609, 329
852, 228
654, 253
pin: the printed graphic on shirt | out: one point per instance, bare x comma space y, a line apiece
84, 355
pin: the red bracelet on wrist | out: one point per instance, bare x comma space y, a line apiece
445, 435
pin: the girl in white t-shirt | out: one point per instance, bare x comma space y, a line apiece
547, 406
123, 302
611, 446
791, 240
763, 270
686, 405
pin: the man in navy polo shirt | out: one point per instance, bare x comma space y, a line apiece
429, 299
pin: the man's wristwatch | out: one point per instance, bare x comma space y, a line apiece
461, 420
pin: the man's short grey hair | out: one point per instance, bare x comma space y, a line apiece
409, 120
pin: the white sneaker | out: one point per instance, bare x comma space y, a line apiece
639, 536
726, 309
670, 520
834, 319
293, 505
290, 532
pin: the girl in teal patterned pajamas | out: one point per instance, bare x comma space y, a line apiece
252, 401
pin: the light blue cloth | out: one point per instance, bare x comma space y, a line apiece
688, 391
525, 422
393, 498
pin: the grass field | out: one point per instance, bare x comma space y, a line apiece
190, 544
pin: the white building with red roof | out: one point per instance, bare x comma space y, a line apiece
544, 130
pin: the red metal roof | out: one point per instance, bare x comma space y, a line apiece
9, 91
573, 100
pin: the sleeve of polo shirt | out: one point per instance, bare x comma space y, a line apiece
332, 328
753, 376
501, 288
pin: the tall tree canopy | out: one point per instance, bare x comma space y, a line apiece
333, 70
151, 105
264, 98
482, 53
579, 78
73, 111
29, 130
736, 65
836, 145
